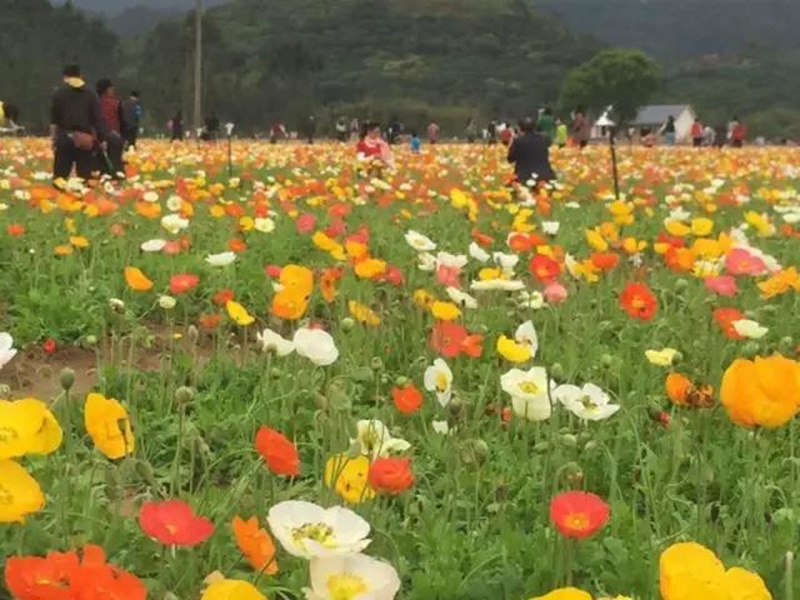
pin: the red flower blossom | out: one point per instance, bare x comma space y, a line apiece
172, 247
336, 228
391, 476
15, 230
392, 275
725, 318
278, 452
237, 245
578, 515
638, 301
407, 399
481, 238
605, 261
451, 339
182, 282
209, 321
544, 268
64, 576
449, 276
50, 346
273, 271
174, 523
741, 262
305, 223
222, 297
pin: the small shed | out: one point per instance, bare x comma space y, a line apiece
654, 117
602, 127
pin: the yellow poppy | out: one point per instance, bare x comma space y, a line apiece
445, 311
702, 227
424, 299
512, 351
79, 241
137, 280
28, 428
369, 268
232, 589
108, 425
596, 240
20, 492
238, 313
565, 594
63, 250
349, 478
677, 228
363, 314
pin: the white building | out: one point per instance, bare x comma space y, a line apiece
655, 116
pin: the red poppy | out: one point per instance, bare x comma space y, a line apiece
407, 399
174, 523
209, 321
481, 238
273, 271
237, 245
50, 346
725, 318
392, 275
15, 230
336, 228
578, 515
447, 337
305, 223
278, 452
675, 242
391, 476
544, 268
605, 261
234, 210
361, 236
222, 297
524, 242
638, 301
449, 276
172, 247
182, 282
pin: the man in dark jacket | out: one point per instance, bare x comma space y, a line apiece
76, 125
530, 154
131, 119
113, 120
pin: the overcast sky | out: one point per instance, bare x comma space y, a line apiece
113, 6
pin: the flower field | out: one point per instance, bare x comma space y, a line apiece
307, 379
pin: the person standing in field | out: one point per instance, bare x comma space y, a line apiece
581, 128
530, 155
341, 130
175, 126
111, 110
433, 132
311, 128
562, 133
374, 150
547, 125
709, 136
415, 144
669, 131
738, 132
131, 119
471, 131
76, 125
697, 133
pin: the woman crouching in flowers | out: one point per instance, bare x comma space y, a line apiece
373, 151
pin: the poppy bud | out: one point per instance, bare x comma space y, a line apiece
275, 373
67, 378
681, 285
569, 440
541, 447
348, 324
786, 344
362, 375
91, 340
184, 395
376, 363
474, 452
145, 471
557, 371
320, 401
401, 381
591, 446
606, 360
750, 349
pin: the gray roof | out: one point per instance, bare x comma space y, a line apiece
657, 114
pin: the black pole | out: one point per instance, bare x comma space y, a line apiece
230, 158
612, 142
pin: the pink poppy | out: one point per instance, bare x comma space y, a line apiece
305, 223
273, 271
448, 276
336, 229
555, 293
172, 247
393, 275
723, 285
740, 261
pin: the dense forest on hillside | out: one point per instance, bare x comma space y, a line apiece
452, 59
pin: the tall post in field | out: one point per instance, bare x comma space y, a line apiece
198, 66
612, 141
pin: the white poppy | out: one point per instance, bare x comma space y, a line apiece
538, 409
526, 335
551, 227
455, 261
167, 302
174, 203
478, 253
461, 298
530, 385
439, 378
222, 259
155, 245
419, 242
440, 427
356, 577
174, 223
534, 300
264, 225
588, 402
572, 205
7, 351
374, 440
749, 329
507, 285
427, 261
270, 340
316, 345
150, 196
678, 214
506, 262
310, 531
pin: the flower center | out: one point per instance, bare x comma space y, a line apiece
344, 586
8, 434
529, 387
577, 521
441, 382
588, 403
638, 303
322, 533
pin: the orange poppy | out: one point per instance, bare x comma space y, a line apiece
209, 321
256, 544
327, 283
725, 318
288, 304
578, 515
222, 297
278, 452
407, 399
182, 283
237, 245
638, 301
137, 280
15, 230
605, 261
391, 476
